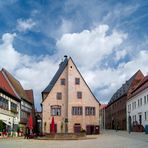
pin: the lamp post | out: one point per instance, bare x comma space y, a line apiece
129, 122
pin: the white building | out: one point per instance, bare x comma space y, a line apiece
137, 105
9, 105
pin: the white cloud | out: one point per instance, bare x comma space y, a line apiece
106, 81
66, 27
8, 56
120, 54
33, 72
88, 49
24, 25
90, 45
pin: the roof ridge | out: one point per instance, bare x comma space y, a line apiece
5, 85
127, 85
16, 85
61, 68
142, 82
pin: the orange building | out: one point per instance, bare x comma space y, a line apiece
70, 101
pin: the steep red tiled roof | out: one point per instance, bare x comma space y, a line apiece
126, 87
16, 85
4, 85
103, 106
143, 84
30, 95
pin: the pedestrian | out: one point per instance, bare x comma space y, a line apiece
26, 133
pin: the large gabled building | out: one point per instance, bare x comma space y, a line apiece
70, 101
115, 112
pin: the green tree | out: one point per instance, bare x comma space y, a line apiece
1, 125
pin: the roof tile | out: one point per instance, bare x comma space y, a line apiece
4, 85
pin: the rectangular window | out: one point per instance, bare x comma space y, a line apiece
3, 103
77, 81
13, 107
59, 96
62, 81
145, 115
90, 111
135, 105
129, 107
77, 110
55, 110
140, 101
144, 99
79, 94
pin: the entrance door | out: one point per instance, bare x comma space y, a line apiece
97, 129
140, 119
77, 128
90, 129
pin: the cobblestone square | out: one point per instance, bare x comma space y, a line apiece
108, 139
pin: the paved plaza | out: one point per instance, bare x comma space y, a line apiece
108, 139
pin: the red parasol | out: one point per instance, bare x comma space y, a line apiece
52, 126
30, 123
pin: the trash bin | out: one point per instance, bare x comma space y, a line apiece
146, 129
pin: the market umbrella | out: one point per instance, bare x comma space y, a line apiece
52, 126
30, 123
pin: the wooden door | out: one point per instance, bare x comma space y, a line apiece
77, 128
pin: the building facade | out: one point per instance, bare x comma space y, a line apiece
38, 117
116, 108
102, 116
26, 104
70, 101
9, 105
137, 107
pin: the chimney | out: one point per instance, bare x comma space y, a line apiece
65, 56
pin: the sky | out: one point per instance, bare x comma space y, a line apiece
108, 41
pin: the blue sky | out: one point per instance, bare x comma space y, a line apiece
108, 41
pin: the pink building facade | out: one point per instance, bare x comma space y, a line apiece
70, 101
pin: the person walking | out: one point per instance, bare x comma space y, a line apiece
26, 133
